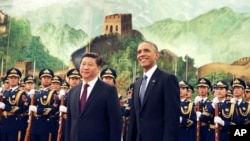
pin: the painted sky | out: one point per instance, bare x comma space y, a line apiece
145, 12
181, 10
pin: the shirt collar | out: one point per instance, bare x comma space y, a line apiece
150, 72
91, 83
14, 88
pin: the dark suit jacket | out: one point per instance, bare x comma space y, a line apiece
101, 118
157, 118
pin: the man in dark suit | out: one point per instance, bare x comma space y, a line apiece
154, 115
99, 119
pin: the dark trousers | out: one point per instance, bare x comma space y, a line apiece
11, 136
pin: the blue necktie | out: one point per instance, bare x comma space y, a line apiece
143, 88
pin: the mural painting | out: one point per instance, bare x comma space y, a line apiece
196, 38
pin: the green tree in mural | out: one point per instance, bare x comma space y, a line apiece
35, 51
20, 33
20, 45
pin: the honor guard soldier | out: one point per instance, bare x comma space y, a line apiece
45, 105
56, 83
56, 86
247, 94
229, 94
108, 75
74, 77
221, 119
28, 83
14, 103
247, 99
6, 85
65, 86
239, 86
187, 115
202, 102
126, 112
21, 85
4, 88
190, 91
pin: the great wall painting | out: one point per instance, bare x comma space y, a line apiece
215, 33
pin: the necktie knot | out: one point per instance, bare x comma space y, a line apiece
86, 86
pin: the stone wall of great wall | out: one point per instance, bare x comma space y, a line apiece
240, 69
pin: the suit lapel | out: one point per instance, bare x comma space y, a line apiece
150, 86
77, 97
92, 95
136, 94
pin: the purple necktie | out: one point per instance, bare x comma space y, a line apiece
83, 97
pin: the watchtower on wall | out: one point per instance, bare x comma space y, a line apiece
117, 23
3, 22
24, 67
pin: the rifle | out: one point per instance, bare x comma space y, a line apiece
1, 100
59, 132
217, 128
27, 135
198, 124
125, 126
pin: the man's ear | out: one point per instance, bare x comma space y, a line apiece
157, 55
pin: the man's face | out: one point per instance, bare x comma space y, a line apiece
203, 91
6, 85
189, 93
46, 81
147, 56
238, 91
183, 91
221, 92
247, 97
29, 86
108, 80
13, 81
55, 86
89, 69
73, 81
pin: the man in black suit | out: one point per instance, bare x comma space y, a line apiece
99, 118
154, 114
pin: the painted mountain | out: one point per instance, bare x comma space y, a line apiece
221, 35
61, 41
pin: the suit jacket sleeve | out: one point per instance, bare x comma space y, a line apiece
115, 116
172, 108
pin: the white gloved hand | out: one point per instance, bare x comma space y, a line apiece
63, 109
197, 99
61, 93
180, 119
32, 108
1, 91
215, 101
198, 115
218, 120
233, 100
2, 105
31, 92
